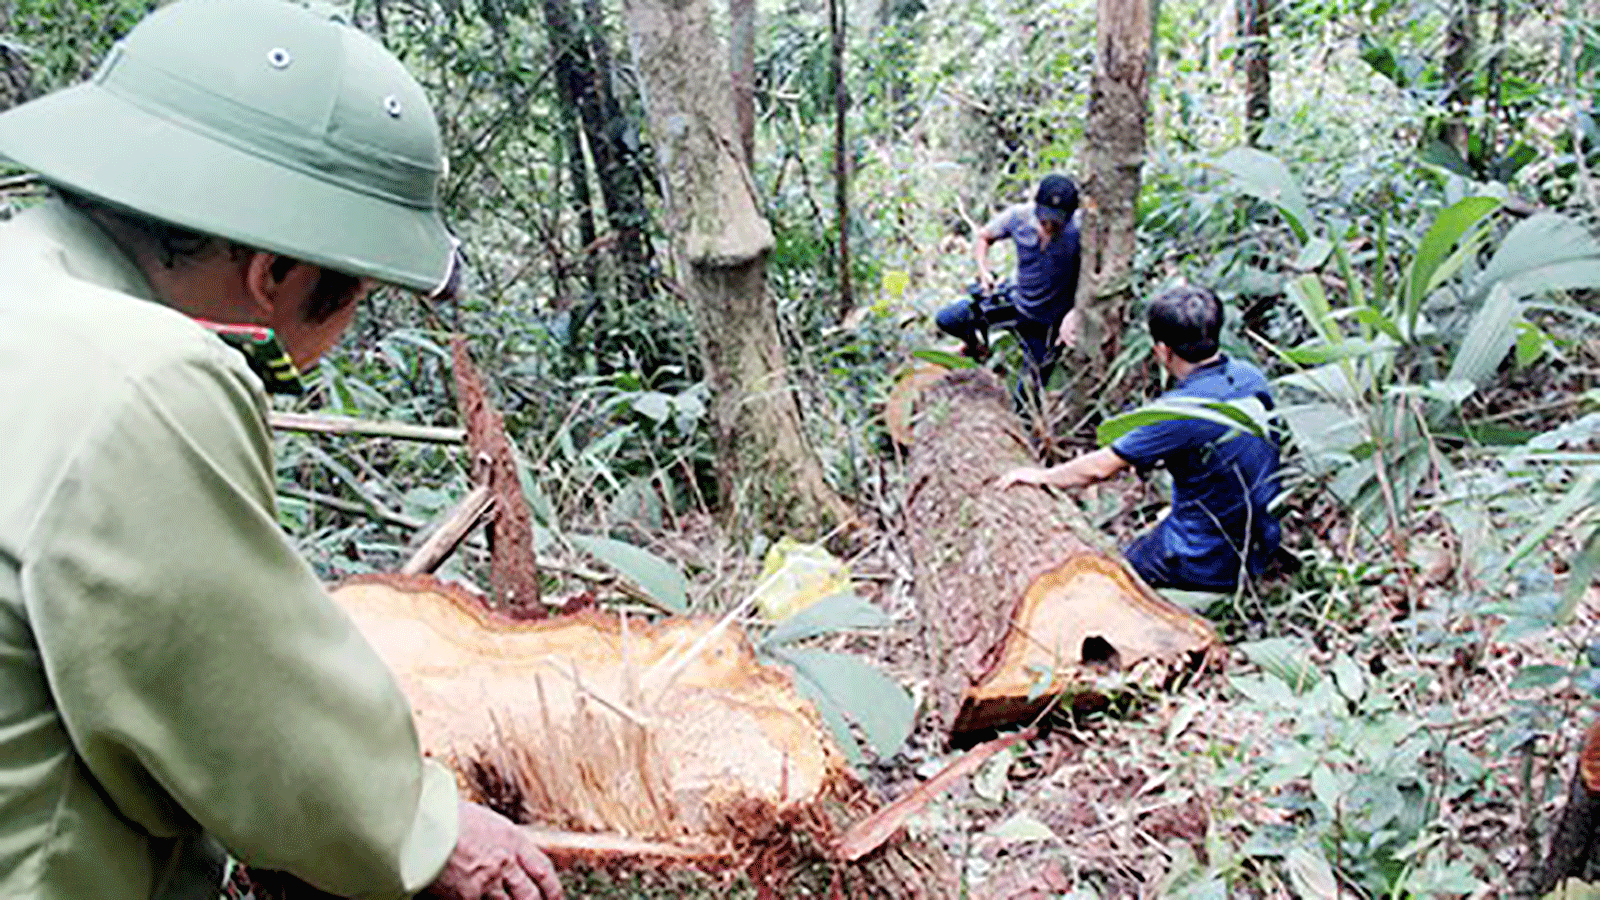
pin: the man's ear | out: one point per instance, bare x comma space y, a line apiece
276, 285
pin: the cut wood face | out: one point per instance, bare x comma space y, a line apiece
673, 732
1087, 617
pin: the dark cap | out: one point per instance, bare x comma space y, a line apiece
1057, 198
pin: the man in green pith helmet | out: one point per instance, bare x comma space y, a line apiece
175, 684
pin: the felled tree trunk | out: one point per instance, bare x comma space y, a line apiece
623, 743
1022, 600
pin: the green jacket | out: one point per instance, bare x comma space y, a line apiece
173, 678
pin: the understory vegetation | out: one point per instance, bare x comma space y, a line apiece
1409, 250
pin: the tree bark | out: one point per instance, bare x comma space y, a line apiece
582, 69
837, 23
767, 469
1257, 38
1461, 45
1572, 844
1114, 142
1022, 599
742, 65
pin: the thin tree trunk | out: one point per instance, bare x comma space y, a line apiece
837, 23
1257, 39
1114, 138
1461, 45
1492, 91
767, 469
582, 79
742, 64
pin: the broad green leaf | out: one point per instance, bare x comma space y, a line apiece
1531, 342
1452, 393
1349, 678
1366, 315
841, 612
1490, 336
1287, 659
946, 359
1318, 354
1263, 689
1313, 254
1581, 572
1312, 301
653, 405
654, 575
1022, 828
1535, 255
1539, 676
1247, 414
883, 709
1265, 176
1560, 513
1322, 428
833, 717
1311, 875
1447, 229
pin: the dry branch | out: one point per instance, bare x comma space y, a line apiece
1022, 601
328, 424
452, 529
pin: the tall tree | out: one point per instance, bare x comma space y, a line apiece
581, 64
1256, 36
721, 241
1114, 148
841, 159
742, 64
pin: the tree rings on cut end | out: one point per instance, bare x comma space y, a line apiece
673, 733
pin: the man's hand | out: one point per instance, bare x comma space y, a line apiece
986, 280
1022, 475
494, 860
1067, 336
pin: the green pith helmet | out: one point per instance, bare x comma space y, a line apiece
260, 122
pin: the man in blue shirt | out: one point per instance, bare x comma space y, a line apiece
1039, 306
1223, 479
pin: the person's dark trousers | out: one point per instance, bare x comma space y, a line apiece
1161, 571
970, 321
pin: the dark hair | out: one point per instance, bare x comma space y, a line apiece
1188, 319
150, 240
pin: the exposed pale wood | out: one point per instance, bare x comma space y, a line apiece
329, 424
1014, 583
452, 529
527, 713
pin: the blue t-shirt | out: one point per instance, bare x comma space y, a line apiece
1222, 480
1047, 276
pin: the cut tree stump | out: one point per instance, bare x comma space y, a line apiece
664, 744
1022, 601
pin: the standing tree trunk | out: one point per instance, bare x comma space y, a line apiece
1114, 141
1257, 40
582, 70
722, 240
742, 63
841, 158
1461, 45
1021, 597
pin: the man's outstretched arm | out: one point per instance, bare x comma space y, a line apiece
1083, 470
